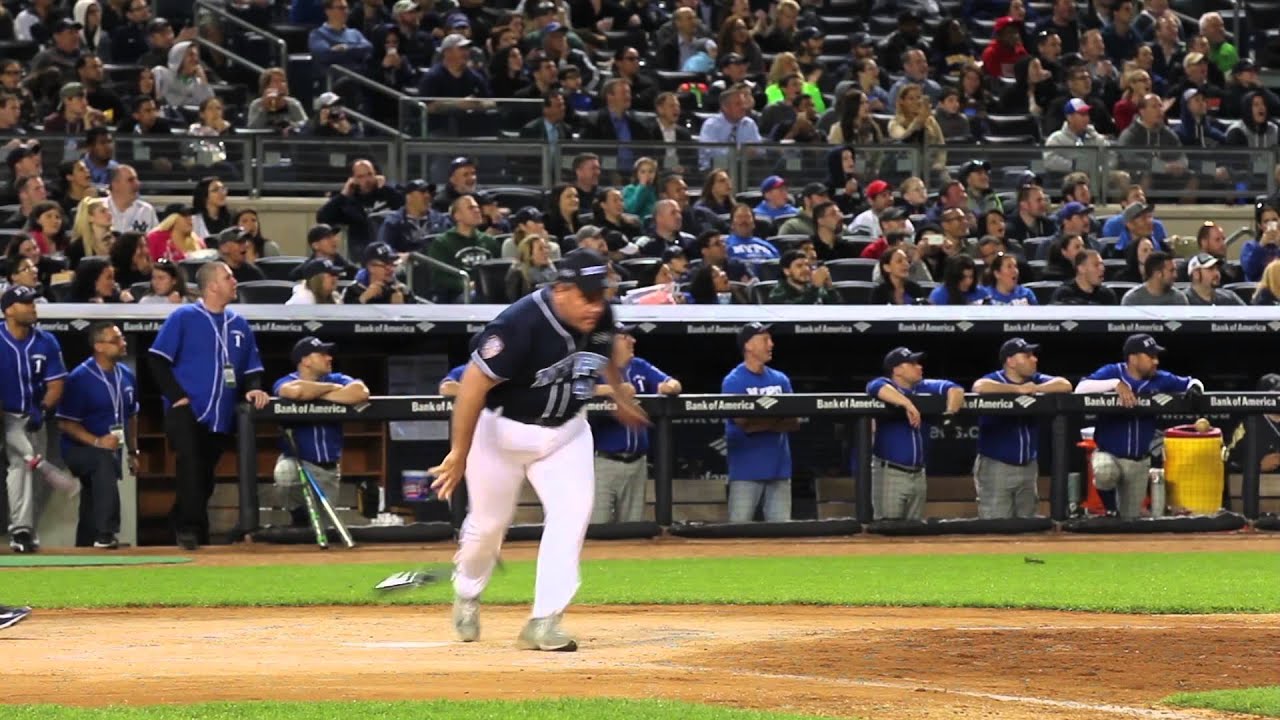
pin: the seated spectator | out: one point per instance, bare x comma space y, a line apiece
786, 119
363, 194
551, 127
75, 186
1245, 81
99, 155
1259, 252
31, 192
174, 238
1211, 239
90, 73
914, 196
274, 108
959, 284
331, 119
129, 38
1157, 288
410, 228
896, 287
801, 284
742, 243
323, 244
94, 281
10, 115
1076, 132
91, 235
803, 223
1086, 288
393, 68
381, 286
1149, 130
63, 51
1135, 257
867, 224
160, 40
1255, 128
259, 247
319, 284
717, 194
955, 125
210, 153
1002, 285
129, 212
1205, 278
131, 259
777, 33
976, 176
168, 285
25, 273
776, 201
639, 197
561, 218
915, 72
1268, 291
1137, 84
210, 202
609, 216
827, 239
21, 247
1005, 49
666, 232
710, 285
184, 80
1061, 260
461, 181
528, 221
913, 123
532, 268
494, 217
733, 126
842, 182
45, 226
233, 245
73, 116
462, 247
1031, 219
453, 77
333, 43
1195, 69
506, 72
893, 220
952, 49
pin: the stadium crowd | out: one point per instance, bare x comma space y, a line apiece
645, 80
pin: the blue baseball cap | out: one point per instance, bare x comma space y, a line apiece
772, 182
554, 27
1076, 105
1073, 209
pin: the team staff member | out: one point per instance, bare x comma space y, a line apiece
204, 358
319, 444
898, 482
31, 380
622, 468
520, 411
759, 449
99, 420
1006, 467
1123, 457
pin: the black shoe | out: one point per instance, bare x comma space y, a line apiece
106, 541
22, 541
187, 541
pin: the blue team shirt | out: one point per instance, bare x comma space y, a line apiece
456, 373
546, 370
200, 343
317, 442
896, 441
26, 368
1010, 439
749, 249
612, 436
1019, 296
1130, 436
760, 455
98, 399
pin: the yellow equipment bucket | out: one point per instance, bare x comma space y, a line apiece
1193, 469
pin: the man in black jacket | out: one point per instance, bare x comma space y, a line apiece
550, 127
364, 194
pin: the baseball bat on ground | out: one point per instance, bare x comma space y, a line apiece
321, 539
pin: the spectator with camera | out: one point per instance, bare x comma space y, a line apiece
274, 108
331, 119
1265, 247
380, 287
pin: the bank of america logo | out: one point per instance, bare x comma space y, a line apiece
79, 324
1025, 401
425, 326
720, 446
1161, 399
964, 325
1274, 325
1069, 325
1173, 325
863, 327
766, 402
312, 325
647, 327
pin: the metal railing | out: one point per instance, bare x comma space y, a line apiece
415, 259
233, 57
405, 121
281, 47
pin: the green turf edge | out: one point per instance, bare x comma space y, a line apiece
1142, 583
1264, 701
549, 709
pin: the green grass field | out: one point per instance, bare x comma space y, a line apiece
1263, 701
1129, 583
564, 709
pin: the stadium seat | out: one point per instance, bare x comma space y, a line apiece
854, 292
760, 291
768, 270
280, 267
852, 269
1107, 246
515, 198
138, 289
1120, 287
191, 266
1037, 248
265, 292
642, 270
788, 242
1037, 270
1115, 269
60, 291
1043, 289
1243, 290
493, 279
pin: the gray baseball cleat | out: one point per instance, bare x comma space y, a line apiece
466, 618
545, 634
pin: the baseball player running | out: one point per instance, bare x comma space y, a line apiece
10, 616
1006, 468
1123, 457
519, 411
898, 483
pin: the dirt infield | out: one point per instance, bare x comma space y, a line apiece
874, 663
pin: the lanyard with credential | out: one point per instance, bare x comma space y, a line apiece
116, 394
224, 349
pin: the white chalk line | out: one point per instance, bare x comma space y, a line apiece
1122, 710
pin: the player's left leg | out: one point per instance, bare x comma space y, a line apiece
565, 482
777, 500
1026, 497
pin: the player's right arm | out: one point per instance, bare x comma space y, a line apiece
473, 389
306, 389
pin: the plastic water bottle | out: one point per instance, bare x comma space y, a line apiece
1073, 493
1158, 488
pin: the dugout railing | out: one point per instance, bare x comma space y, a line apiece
1065, 414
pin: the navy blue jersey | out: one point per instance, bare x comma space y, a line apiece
201, 344
26, 367
319, 443
546, 370
1010, 439
98, 399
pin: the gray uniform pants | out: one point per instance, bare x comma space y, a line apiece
1127, 477
19, 445
290, 483
746, 495
897, 494
1004, 490
619, 490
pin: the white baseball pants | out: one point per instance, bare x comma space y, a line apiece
558, 463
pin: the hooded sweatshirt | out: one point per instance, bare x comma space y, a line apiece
1202, 134
1139, 135
178, 90
1246, 133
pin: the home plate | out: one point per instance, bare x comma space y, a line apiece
396, 645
